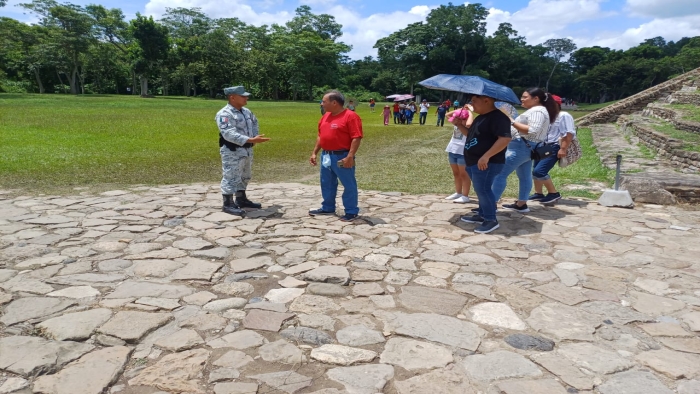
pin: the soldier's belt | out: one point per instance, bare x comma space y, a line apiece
230, 145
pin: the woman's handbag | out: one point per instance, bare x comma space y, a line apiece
541, 150
573, 153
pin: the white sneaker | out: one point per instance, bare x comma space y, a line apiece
453, 196
461, 200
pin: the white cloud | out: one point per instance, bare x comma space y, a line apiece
672, 29
213, 8
663, 9
541, 20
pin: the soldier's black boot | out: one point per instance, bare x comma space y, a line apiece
230, 207
244, 202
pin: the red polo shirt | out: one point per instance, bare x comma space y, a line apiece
337, 132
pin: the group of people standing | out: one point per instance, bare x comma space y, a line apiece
482, 152
494, 145
338, 139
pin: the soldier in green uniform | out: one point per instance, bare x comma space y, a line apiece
238, 132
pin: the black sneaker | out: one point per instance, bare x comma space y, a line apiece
320, 211
551, 198
471, 219
348, 217
487, 227
535, 197
517, 208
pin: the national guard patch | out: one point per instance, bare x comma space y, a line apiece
223, 119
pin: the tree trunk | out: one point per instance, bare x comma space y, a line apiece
133, 82
144, 86
546, 88
194, 87
38, 81
73, 80
60, 80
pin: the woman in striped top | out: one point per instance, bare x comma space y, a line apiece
529, 128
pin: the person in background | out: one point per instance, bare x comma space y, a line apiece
527, 130
386, 114
559, 137
402, 112
441, 111
372, 103
456, 105
339, 135
424, 107
410, 111
397, 113
449, 104
323, 111
455, 156
351, 106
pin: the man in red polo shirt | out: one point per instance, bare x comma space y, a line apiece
339, 135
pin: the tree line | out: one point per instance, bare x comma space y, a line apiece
92, 49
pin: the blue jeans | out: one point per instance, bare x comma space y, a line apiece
423, 116
542, 167
482, 181
329, 185
397, 117
440, 120
518, 160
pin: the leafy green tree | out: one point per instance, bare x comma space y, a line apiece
557, 49
150, 50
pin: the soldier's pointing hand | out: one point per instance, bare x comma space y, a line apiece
258, 139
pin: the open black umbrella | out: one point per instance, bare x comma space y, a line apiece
471, 85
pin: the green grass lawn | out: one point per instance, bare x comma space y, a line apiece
689, 111
54, 143
691, 141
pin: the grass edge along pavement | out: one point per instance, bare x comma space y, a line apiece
55, 143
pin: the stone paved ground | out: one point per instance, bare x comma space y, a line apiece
153, 290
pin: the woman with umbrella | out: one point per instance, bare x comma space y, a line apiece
527, 131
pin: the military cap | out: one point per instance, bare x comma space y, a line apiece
239, 90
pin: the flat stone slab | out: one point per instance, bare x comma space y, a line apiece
180, 340
633, 382
139, 289
91, 374
342, 355
192, 243
615, 312
281, 351
196, 269
414, 355
287, 381
258, 319
529, 342
655, 305
32, 356
76, 326
253, 263
436, 328
234, 289
283, 296
328, 274
362, 379
564, 322
692, 319
664, 330
688, 345
594, 358
359, 335
499, 365
27, 308
75, 292
540, 386
233, 359
564, 369
449, 382
133, 325
562, 293
496, 314
425, 299
177, 372
327, 289
225, 304
306, 335
238, 340
292, 282
313, 304
671, 363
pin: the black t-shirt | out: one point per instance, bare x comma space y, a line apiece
483, 133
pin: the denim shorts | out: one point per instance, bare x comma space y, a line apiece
456, 158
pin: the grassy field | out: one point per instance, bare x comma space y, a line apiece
54, 143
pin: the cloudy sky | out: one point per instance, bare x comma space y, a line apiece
617, 24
